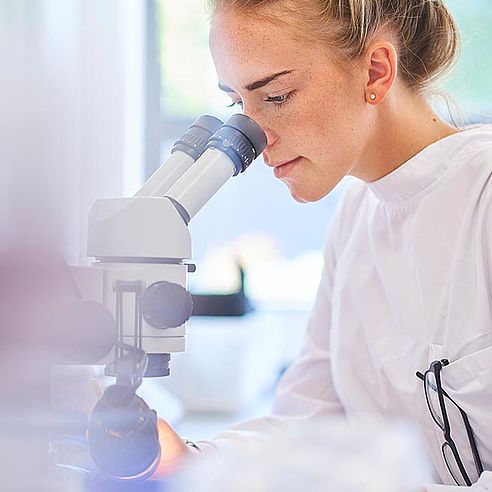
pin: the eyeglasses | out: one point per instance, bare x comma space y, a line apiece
434, 395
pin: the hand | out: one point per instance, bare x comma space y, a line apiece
173, 450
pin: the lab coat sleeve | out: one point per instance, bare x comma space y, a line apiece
306, 389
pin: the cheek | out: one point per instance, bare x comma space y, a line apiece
336, 128
323, 112
325, 124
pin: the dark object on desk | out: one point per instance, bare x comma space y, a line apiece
235, 304
122, 435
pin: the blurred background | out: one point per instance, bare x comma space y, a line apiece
92, 97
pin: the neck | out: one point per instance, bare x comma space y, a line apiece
404, 124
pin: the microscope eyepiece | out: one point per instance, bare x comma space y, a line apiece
241, 139
253, 132
230, 151
194, 141
185, 152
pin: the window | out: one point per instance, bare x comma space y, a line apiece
469, 82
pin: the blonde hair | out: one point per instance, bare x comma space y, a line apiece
427, 39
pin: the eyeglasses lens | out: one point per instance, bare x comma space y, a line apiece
433, 398
452, 465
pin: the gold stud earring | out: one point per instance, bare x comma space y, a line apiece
372, 97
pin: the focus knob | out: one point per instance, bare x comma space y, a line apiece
166, 305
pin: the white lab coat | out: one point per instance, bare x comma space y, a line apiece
407, 279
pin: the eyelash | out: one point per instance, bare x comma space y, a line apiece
271, 100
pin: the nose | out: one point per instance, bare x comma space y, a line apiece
271, 135
272, 139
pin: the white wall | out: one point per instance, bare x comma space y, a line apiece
71, 102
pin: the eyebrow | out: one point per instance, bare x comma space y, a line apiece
259, 83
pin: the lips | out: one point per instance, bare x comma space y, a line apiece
282, 168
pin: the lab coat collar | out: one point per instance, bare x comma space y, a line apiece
416, 175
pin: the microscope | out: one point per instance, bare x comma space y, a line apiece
132, 303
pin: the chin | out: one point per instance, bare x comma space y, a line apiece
306, 196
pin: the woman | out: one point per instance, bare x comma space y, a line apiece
339, 87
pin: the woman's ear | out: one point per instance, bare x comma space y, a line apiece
382, 68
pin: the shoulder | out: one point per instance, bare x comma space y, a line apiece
473, 159
461, 167
474, 146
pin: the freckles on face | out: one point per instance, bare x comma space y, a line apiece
243, 48
315, 125
325, 131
